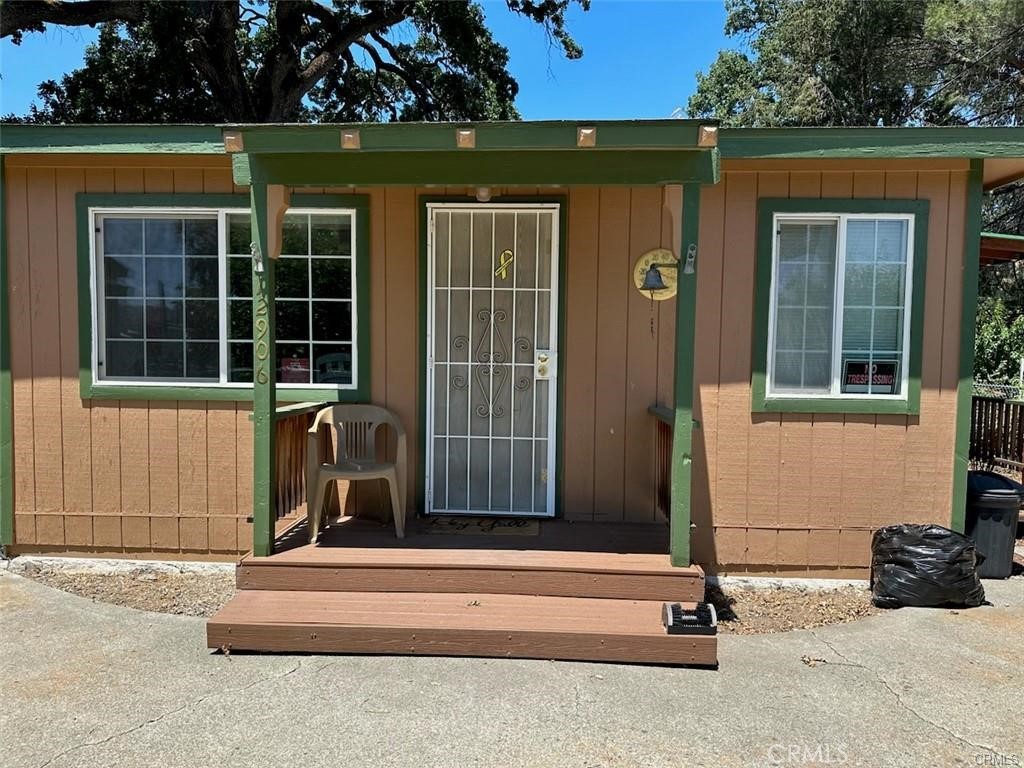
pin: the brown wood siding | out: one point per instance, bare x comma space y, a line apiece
799, 492
770, 492
107, 475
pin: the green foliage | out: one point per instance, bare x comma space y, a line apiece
998, 342
868, 62
300, 60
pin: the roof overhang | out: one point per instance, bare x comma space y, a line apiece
491, 153
483, 153
838, 142
998, 248
36, 138
1000, 171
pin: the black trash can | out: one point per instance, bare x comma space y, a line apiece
993, 510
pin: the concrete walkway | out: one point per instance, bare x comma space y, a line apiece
90, 684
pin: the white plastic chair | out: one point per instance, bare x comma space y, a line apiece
356, 459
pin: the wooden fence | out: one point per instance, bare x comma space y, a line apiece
997, 433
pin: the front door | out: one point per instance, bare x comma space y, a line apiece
492, 358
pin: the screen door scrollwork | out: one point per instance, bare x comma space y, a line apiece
492, 304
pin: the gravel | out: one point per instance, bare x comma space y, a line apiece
185, 594
740, 611
764, 611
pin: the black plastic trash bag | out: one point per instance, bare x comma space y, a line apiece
924, 566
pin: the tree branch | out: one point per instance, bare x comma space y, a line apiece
18, 16
414, 85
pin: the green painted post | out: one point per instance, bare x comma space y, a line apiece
682, 429
968, 310
6, 399
264, 372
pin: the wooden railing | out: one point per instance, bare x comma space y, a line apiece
662, 457
997, 433
292, 423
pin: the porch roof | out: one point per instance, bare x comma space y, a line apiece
489, 153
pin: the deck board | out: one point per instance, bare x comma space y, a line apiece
463, 624
361, 556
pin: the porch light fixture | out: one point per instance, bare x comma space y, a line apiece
586, 136
483, 194
465, 138
233, 141
350, 139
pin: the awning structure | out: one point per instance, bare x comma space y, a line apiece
556, 153
272, 160
999, 249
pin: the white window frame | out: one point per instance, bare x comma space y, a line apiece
841, 220
96, 279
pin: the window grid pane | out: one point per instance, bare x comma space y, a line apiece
315, 307
804, 301
161, 303
169, 266
874, 310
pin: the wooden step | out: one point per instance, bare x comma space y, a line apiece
498, 571
454, 624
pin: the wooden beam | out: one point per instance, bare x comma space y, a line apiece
268, 206
682, 428
6, 388
968, 308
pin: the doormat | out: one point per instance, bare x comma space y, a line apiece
481, 526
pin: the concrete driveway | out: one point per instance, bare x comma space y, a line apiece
90, 684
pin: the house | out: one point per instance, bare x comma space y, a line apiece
681, 348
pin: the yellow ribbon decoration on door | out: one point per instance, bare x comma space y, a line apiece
504, 262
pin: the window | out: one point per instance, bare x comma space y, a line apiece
840, 312
172, 297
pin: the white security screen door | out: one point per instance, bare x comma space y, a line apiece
492, 358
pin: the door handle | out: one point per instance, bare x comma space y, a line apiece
543, 365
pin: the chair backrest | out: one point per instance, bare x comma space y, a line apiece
356, 426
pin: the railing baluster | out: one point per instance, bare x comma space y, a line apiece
292, 426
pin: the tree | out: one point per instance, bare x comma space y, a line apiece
853, 62
283, 60
998, 343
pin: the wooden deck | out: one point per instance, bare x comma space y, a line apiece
583, 591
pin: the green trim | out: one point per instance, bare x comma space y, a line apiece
111, 139
968, 310
1003, 236
6, 391
681, 512
489, 136
563, 217
470, 168
766, 209
91, 390
264, 402
885, 143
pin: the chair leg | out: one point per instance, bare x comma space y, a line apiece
315, 506
397, 509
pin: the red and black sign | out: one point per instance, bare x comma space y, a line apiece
882, 376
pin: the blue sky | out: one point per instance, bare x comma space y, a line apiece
640, 58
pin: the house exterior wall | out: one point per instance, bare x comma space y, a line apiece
780, 492
770, 492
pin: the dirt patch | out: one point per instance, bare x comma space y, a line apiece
185, 594
740, 611
763, 611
